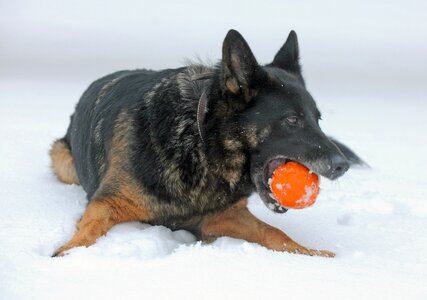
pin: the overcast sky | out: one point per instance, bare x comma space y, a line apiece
347, 47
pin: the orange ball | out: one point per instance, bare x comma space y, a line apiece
294, 186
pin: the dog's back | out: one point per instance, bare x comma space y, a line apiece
91, 129
153, 115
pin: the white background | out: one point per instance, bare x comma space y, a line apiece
364, 63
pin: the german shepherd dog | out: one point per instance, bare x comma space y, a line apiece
184, 148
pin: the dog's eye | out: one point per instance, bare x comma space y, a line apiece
292, 120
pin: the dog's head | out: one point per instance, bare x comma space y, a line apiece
276, 113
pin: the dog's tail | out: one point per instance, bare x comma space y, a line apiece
62, 162
352, 157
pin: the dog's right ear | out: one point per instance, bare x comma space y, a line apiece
239, 65
288, 56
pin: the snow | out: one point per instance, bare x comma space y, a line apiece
368, 78
374, 220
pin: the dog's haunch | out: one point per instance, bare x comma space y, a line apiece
294, 186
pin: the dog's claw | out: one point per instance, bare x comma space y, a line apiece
325, 253
57, 254
60, 252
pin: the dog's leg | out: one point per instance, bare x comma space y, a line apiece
63, 162
238, 222
99, 217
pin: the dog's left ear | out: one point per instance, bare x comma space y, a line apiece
240, 68
288, 56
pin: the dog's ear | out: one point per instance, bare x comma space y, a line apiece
240, 67
288, 56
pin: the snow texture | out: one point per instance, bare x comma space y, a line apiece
365, 66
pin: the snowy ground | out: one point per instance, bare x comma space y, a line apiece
365, 65
375, 220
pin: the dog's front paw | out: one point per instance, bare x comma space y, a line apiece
324, 253
296, 248
59, 252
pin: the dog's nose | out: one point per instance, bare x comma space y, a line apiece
338, 166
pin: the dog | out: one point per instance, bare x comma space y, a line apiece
185, 147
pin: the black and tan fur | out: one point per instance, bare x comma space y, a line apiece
139, 146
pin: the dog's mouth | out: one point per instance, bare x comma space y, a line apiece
271, 166
271, 201
262, 183
263, 187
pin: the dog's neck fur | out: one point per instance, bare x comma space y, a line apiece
214, 110
201, 113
